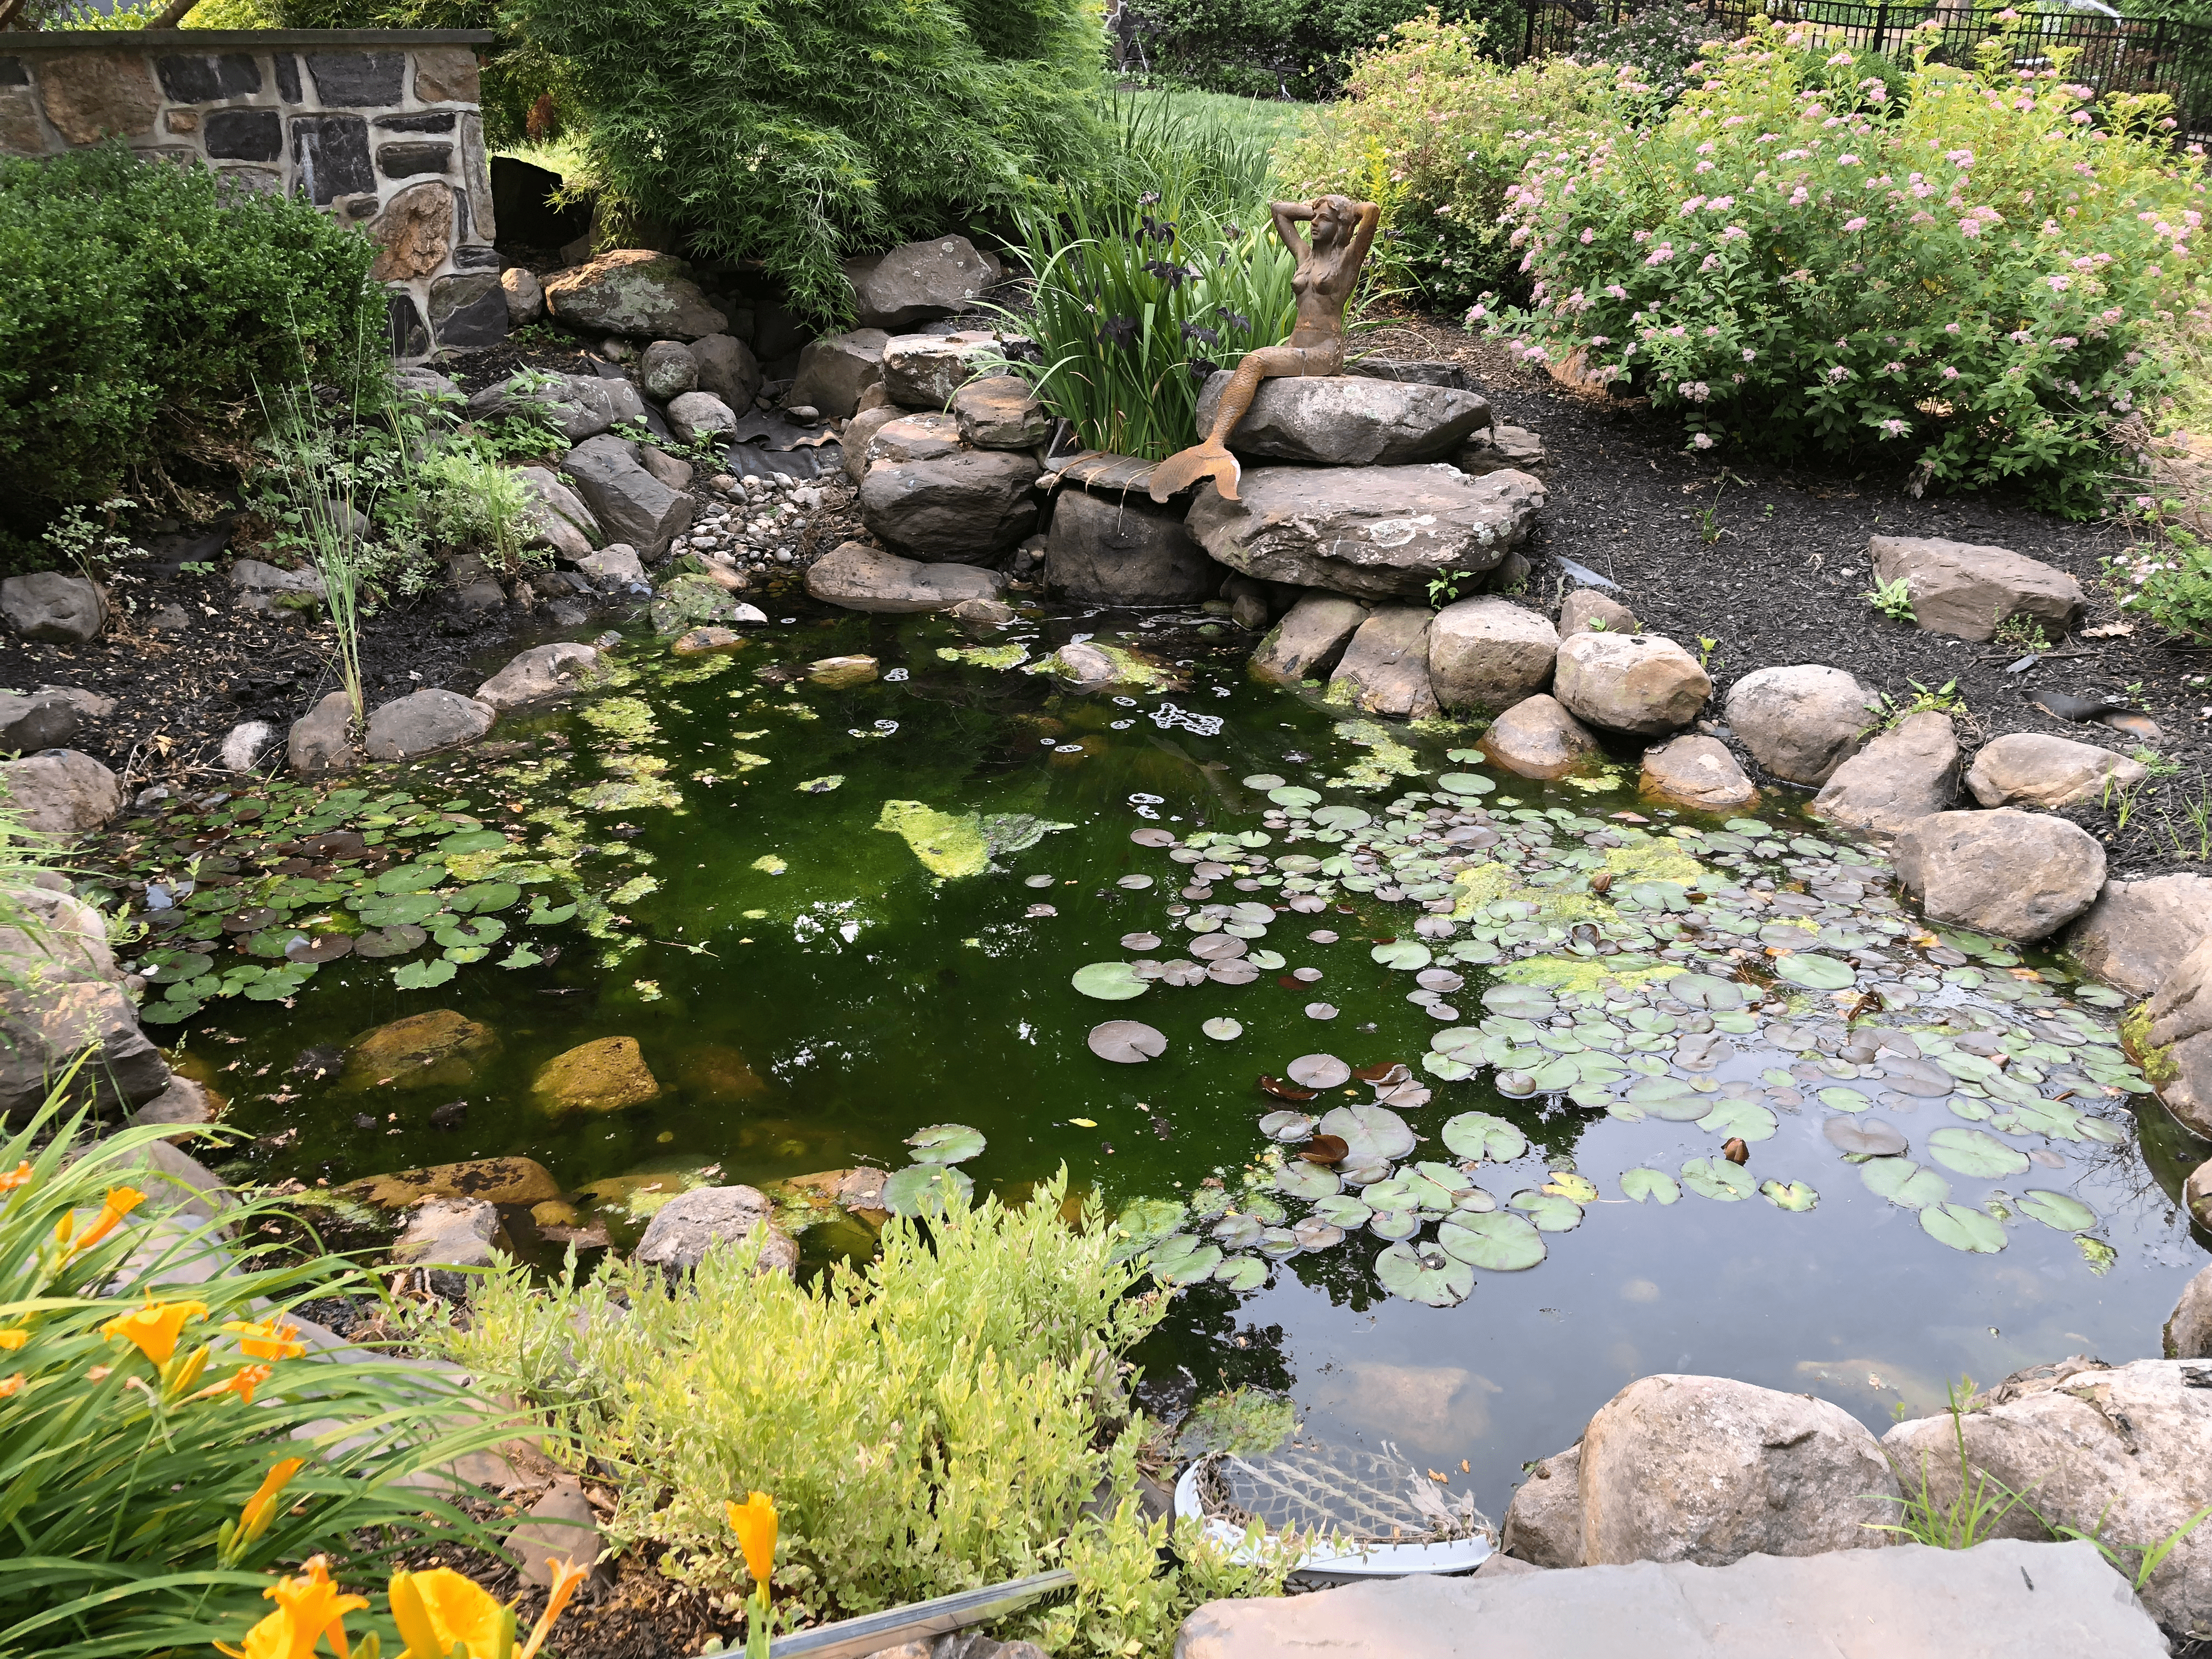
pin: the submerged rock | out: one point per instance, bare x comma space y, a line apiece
423, 722
838, 673
685, 1228
603, 1076
494, 1180
434, 1050
2022, 875
1697, 772
543, 671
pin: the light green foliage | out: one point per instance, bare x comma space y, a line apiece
472, 502
2168, 582
1437, 131
1301, 49
115, 1493
926, 1422
1972, 1515
1893, 600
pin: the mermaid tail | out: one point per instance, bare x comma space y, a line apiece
1209, 459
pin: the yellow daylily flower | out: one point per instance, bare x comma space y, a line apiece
12, 1340
266, 1339
119, 1203
754, 1523
438, 1608
308, 1608
254, 1518
18, 1177
153, 1328
11, 1386
241, 1383
269, 1639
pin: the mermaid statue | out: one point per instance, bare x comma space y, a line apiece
1328, 270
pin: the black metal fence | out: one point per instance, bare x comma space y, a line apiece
2110, 54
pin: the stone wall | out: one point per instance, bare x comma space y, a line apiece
380, 128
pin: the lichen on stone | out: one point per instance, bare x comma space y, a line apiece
2156, 1064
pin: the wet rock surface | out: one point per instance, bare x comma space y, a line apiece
1486, 654
2020, 875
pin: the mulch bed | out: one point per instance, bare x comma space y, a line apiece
1782, 583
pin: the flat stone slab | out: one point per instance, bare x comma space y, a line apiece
1970, 592
1375, 532
1348, 419
1909, 1602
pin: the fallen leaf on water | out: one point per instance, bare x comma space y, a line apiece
1084, 1122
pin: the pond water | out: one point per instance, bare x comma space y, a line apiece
761, 914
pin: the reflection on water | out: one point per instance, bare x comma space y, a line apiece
807, 989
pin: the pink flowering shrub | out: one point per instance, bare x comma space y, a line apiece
1967, 278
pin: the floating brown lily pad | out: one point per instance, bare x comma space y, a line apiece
1282, 1091
1325, 1148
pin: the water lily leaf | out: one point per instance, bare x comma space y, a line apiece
1341, 817
2100, 1129
1445, 1068
1844, 1100
1901, 1181
1279, 1242
1223, 1030
1150, 836
1717, 1178
189, 964
1481, 1135
926, 1190
1519, 1002
1423, 1272
1201, 1262
1465, 783
1238, 1232
1318, 1072
1395, 1224
396, 941
1641, 1184
1404, 953
520, 957
1742, 1118
946, 1143
545, 915
1551, 1212
1317, 1233
1291, 794
2063, 1210
1498, 1243
1704, 991
471, 935
1974, 1152
1963, 1229
1110, 981
1566, 1183
1242, 1273
1792, 1195
1144, 1222
472, 840
1287, 1126
1816, 971
1127, 1042
482, 898
1369, 1131
421, 976
413, 877
1299, 1179
1867, 1137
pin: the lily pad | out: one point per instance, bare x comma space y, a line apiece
1742, 1118
1223, 1030
1287, 1126
926, 1190
1963, 1228
1717, 1178
1189, 1267
393, 941
1344, 1211
946, 1143
1238, 1232
1792, 1195
1465, 783
1816, 971
1291, 794
1395, 1224
1242, 1273
1299, 1179
1445, 1068
1110, 981
1402, 953
1127, 1042
1844, 1100
482, 898
1869, 1137
422, 975
1976, 1152
1519, 1002
1373, 1133
2063, 1210
1641, 1184
1317, 1233
1902, 1182
1498, 1243
189, 965
1423, 1272
1318, 1072
1550, 1213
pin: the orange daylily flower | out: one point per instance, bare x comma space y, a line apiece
265, 1339
242, 1382
18, 1177
308, 1608
566, 1574
11, 1386
154, 1327
438, 1608
254, 1518
119, 1203
754, 1523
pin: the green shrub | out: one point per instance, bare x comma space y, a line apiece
142, 303
2168, 582
1437, 133
1966, 285
127, 1459
1302, 48
925, 1423
804, 133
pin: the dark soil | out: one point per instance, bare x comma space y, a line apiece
1782, 584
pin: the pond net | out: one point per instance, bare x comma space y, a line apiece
1362, 1496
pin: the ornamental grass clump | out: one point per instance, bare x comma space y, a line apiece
930, 1421
166, 1440
1964, 280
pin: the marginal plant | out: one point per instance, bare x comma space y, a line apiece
1972, 1515
1893, 600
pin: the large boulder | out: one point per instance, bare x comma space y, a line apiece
494, 1180
727, 368
1375, 532
1385, 669
685, 1228
542, 671
977, 501
2138, 933
2122, 1452
65, 997
60, 791
634, 292
48, 717
632, 505
1543, 1522
999, 411
1306, 644
1710, 1470
439, 1049
1347, 420
1486, 654
321, 740
1640, 683
859, 577
579, 405
425, 721
2181, 1033
926, 435
2188, 1332
558, 517
1537, 738
1969, 592
1697, 771
603, 1076
1124, 551
836, 368
668, 369
1900, 777
919, 281
1802, 722
922, 371
53, 608
2033, 768
2022, 875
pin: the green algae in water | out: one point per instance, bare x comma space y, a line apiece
949, 844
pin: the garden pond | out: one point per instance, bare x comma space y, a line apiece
1422, 1079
